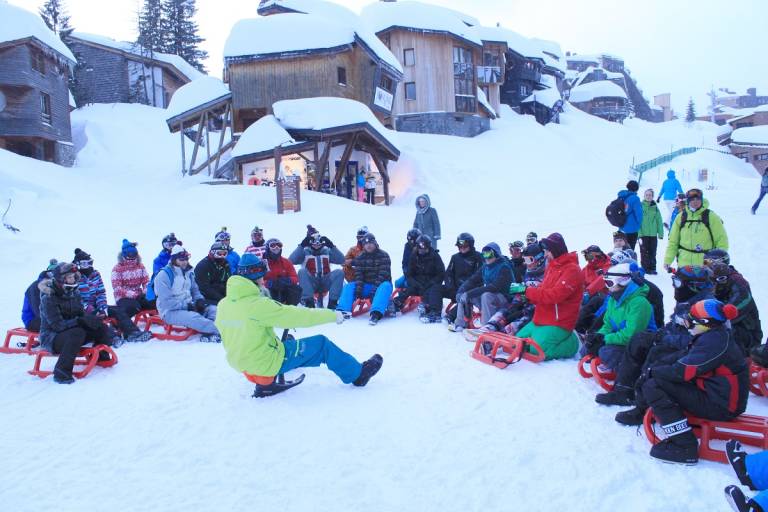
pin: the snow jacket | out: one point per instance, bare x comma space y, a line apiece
92, 292
558, 298
259, 249
281, 271
627, 316
746, 326
656, 298
653, 224
715, 364
316, 263
674, 334
425, 270
59, 311
634, 211
176, 295
233, 259
407, 251
592, 279
246, 320
31, 307
518, 269
460, 268
349, 270
764, 181
426, 219
493, 278
372, 268
688, 243
670, 188
129, 278
162, 260
211, 278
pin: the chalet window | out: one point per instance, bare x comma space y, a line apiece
45, 107
409, 57
341, 74
764, 156
464, 80
38, 61
491, 59
386, 83
410, 90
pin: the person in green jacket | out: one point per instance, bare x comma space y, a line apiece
651, 231
695, 231
627, 312
246, 319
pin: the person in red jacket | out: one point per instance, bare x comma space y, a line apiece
281, 280
594, 295
557, 300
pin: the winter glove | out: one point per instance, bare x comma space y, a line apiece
593, 342
191, 306
327, 242
90, 322
658, 199
305, 243
200, 306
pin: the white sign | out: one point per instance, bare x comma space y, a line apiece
383, 99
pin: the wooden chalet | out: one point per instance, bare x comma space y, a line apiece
110, 71
292, 55
602, 98
34, 93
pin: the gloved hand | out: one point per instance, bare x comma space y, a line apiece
327, 242
658, 199
593, 342
200, 305
341, 316
305, 242
90, 322
191, 306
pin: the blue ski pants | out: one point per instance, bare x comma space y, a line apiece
381, 297
317, 350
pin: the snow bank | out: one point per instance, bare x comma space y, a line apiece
756, 135
483, 99
263, 135
197, 92
599, 89
18, 23
546, 97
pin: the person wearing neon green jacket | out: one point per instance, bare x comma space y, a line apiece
690, 241
651, 231
246, 319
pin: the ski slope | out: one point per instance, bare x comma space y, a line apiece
173, 428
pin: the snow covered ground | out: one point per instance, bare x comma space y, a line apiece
172, 427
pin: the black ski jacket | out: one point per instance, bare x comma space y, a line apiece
212, 278
462, 267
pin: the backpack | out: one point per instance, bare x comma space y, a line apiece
616, 213
704, 220
151, 295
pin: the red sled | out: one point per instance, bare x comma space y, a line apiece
749, 430
513, 348
474, 321
411, 302
147, 318
604, 379
757, 379
88, 357
361, 307
22, 347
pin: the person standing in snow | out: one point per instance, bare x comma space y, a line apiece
247, 318
763, 191
370, 189
634, 211
258, 245
669, 190
695, 231
30, 310
233, 258
427, 220
129, 280
361, 186
651, 230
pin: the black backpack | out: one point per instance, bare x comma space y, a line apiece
704, 220
615, 212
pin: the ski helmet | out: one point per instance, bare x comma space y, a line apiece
694, 277
618, 275
533, 256
531, 238
717, 256
423, 244
362, 232
369, 238
218, 251
223, 236
517, 244
179, 253
169, 241
252, 267
413, 235
465, 239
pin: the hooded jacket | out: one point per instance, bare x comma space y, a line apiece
59, 311
688, 243
634, 211
281, 271
177, 295
352, 253
246, 320
746, 326
92, 292
317, 263
425, 270
653, 224
426, 219
627, 316
31, 307
558, 298
670, 188
211, 277
592, 279
490, 278
129, 278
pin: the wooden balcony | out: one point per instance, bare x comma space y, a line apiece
489, 75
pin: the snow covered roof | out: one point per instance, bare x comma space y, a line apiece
324, 113
546, 97
381, 16
483, 99
298, 32
20, 23
264, 135
204, 90
515, 41
583, 58
751, 135
599, 89
551, 52
183, 67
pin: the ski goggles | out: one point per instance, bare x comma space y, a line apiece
528, 260
610, 282
487, 255
220, 253
462, 243
692, 195
276, 245
694, 320
84, 264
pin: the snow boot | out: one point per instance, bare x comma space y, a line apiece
738, 459
210, 338
681, 447
375, 317
370, 368
278, 386
430, 318
308, 303
117, 341
62, 377
632, 417
332, 304
139, 337
739, 502
621, 395
455, 328
421, 309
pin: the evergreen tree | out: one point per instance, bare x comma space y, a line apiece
181, 32
54, 14
690, 115
151, 39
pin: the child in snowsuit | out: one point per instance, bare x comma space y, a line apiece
595, 292
30, 310
129, 281
651, 230
258, 245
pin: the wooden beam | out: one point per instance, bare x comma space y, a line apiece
198, 137
221, 137
208, 141
321, 165
215, 156
344, 159
381, 164
183, 152
278, 161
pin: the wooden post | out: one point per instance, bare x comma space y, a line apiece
221, 137
381, 163
278, 161
321, 164
208, 142
345, 158
183, 152
198, 137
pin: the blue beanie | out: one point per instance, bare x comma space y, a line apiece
252, 267
129, 249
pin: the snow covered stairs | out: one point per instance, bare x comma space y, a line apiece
489, 345
147, 318
88, 357
603, 378
758, 379
21, 347
747, 429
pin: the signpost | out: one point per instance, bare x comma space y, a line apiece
288, 193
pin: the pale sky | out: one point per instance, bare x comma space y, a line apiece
677, 46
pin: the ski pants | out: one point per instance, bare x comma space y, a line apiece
757, 469
69, 342
317, 350
643, 349
763, 191
610, 355
587, 319
430, 293
369, 195
285, 293
124, 323
33, 325
648, 245
489, 303
670, 207
401, 282
331, 283
133, 306
380, 294
555, 341
631, 240
670, 400
194, 320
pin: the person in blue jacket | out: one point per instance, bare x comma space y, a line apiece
752, 471
165, 255
668, 193
30, 310
634, 209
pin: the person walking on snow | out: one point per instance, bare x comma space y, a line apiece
763, 191
669, 190
247, 318
427, 220
634, 212
695, 231
651, 230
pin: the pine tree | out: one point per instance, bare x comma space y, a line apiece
54, 14
181, 32
151, 39
690, 115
